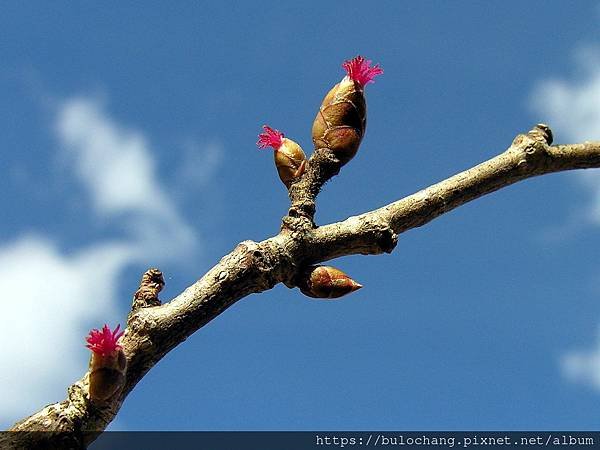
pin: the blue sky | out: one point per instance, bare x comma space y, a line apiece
128, 137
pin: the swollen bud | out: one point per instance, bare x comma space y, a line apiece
290, 159
342, 118
326, 282
107, 364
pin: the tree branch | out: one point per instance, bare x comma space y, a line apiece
154, 329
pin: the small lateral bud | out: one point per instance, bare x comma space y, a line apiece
290, 159
342, 118
107, 364
326, 282
147, 294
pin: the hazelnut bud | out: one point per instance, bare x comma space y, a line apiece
108, 363
326, 282
290, 159
107, 375
342, 118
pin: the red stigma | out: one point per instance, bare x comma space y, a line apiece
104, 342
270, 138
360, 70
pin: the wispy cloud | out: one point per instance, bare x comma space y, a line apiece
583, 366
51, 298
199, 164
48, 301
572, 108
113, 162
116, 166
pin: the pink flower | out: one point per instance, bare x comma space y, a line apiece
270, 138
360, 70
104, 342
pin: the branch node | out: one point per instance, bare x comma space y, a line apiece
541, 133
322, 166
533, 147
387, 240
147, 295
296, 224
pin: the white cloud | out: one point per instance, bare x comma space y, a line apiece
200, 163
113, 162
51, 299
572, 109
583, 366
48, 301
117, 168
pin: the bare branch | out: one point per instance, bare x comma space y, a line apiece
252, 267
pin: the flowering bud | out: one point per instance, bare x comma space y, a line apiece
342, 118
290, 159
326, 282
107, 364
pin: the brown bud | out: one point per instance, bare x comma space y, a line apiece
107, 364
341, 121
326, 282
342, 118
107, 374
290, 159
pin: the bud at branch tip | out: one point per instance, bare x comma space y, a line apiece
108, 363
341, 121
290, 159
